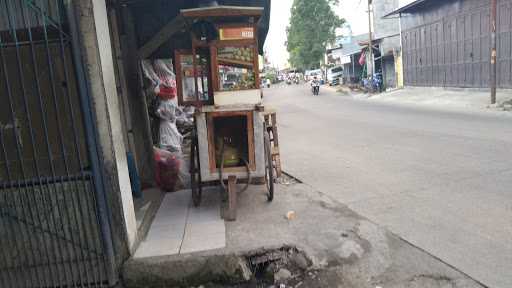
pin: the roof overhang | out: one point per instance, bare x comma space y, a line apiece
165, 19
223, 11
405, 8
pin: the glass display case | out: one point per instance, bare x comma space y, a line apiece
193, 77
236, 68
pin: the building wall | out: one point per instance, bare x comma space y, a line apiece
96, 50
387, 30
352, 71
388, 68
390, 45
114, 111
399, 70
385, 27
447, 44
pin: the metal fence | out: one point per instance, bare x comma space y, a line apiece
454, 50
51, 231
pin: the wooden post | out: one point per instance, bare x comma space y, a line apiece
493, 51
370, 42
230, 214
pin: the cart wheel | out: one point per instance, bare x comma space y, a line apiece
269, 168
195, 172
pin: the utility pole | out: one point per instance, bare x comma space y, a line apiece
493, 51
370, 42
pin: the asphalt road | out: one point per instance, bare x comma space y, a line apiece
441, 180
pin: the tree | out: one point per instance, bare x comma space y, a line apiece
312, 26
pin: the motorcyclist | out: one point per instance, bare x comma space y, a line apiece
315, 85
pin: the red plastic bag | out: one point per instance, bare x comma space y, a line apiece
362, 59
167, 168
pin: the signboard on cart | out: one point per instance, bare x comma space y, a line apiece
236, 33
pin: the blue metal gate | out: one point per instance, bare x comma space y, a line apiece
54, 228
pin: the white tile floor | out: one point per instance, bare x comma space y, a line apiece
180, 228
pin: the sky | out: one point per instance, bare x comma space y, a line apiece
354, 12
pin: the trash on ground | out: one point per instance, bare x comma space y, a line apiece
290, 215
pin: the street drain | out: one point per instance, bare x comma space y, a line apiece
265, 264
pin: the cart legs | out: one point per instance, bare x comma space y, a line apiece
195, 172
230, 214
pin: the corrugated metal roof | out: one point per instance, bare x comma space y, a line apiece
353, 46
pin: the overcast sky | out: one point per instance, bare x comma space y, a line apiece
354, 11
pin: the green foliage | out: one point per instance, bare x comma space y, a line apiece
312, 26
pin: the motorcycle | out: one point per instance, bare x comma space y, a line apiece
315, 87
374, 84
297, 81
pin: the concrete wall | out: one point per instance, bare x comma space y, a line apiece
140, 130
387, 30
99, 66
388, 26
399, 70
114, 110
390, 45
389, 74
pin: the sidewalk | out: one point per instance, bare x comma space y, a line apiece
321, 243
179, 228
459, 99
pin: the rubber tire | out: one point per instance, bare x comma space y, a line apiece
269, 168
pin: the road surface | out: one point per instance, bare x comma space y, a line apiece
441, 180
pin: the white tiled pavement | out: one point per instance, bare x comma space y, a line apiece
180, 228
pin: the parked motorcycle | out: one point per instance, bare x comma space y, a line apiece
374, 84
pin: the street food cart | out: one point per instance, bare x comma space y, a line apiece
220, 77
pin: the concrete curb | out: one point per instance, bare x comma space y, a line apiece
185, 271
220, 266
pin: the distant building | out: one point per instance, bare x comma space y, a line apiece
386, 35
347, 49
348, 56
446, 43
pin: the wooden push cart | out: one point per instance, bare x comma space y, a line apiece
220, 77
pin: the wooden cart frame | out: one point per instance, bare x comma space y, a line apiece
242, 104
